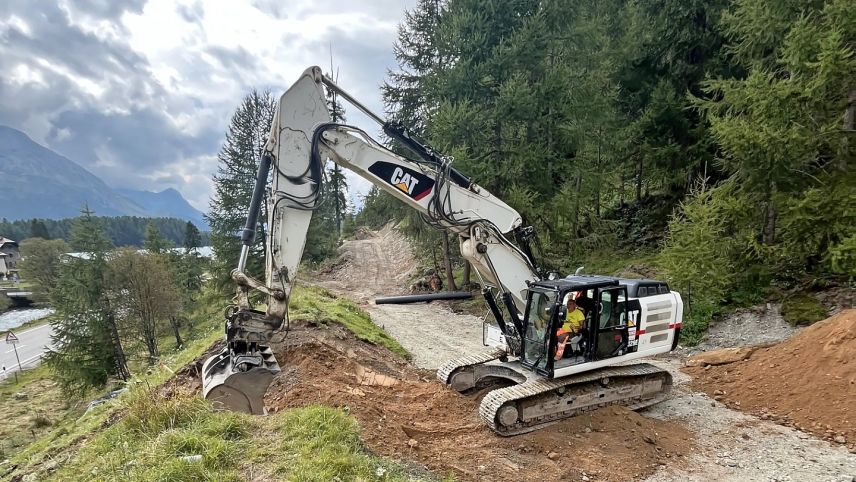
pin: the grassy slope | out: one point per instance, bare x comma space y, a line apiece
317, 305
140, 436
27, 418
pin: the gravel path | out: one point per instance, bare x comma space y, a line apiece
746, 326
382, 265
731, 446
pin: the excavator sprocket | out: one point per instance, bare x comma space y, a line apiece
238, 390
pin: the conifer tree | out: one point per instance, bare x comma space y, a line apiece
155, 242
86, 349
38, 229
192, 238
233, 186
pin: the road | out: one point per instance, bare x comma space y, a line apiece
32, 345
382, 265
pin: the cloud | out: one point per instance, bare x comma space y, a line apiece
141, 93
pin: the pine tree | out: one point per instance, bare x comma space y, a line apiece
334, 174
779, 128
155, 242
86, 346
233, 186
192, 238
38, 229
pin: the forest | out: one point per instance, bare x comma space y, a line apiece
716, 138
120, 230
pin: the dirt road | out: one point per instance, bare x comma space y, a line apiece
383, 265
730, 445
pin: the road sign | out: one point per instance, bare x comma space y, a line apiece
13, 340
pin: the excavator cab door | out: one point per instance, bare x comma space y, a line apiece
610, 320
539, 332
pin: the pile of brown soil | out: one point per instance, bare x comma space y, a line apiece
406, 414
808, 381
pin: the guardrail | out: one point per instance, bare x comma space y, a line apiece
28, 363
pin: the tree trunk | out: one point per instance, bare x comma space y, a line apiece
578, 184
849, 121
639, 180
467, 269
769, 235
598, 178
118, 353
173, 321
447, 263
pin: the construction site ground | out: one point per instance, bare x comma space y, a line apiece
406, 414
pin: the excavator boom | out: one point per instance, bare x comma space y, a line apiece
302, 139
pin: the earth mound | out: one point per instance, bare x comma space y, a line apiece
808, 381
405, 413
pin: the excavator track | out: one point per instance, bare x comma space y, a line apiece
445, 372
537, 403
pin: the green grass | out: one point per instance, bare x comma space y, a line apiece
149, 444
802, 309
319, 443
140, 436
69, 423
28, 418
319, 306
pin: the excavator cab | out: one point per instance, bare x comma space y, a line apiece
604, 333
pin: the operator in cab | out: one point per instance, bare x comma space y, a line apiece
571, 329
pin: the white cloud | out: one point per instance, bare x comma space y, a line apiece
143, 91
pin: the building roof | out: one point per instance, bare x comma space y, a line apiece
5, 241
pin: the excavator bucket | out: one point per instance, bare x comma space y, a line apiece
238, 389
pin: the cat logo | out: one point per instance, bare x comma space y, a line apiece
403, 181
414, 184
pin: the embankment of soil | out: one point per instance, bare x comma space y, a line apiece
807, 381
406, 414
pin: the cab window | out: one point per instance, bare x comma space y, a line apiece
612, 309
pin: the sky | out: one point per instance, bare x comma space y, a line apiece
140, 92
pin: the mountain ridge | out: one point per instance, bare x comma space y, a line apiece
41, 183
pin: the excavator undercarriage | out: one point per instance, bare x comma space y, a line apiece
532, 402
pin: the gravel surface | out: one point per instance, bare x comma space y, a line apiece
734, 446
745, 326
382, 265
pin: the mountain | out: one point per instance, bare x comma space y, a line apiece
168, 204
36, 182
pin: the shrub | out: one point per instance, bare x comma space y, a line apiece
802, 309
703, 247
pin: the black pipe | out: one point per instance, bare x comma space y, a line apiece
248, 234
447, 295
